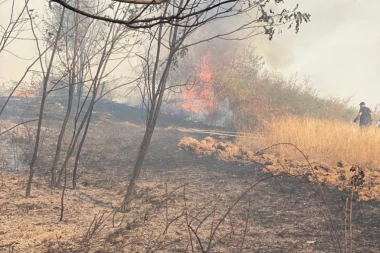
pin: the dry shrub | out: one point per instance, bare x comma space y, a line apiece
224, 150
204, 147
326, 141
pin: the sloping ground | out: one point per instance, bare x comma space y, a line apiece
181, 198
25, 108
339, 176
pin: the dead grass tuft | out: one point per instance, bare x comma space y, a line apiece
209, 146
322, 140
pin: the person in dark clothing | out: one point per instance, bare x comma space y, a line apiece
364, 115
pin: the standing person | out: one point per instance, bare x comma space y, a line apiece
365, 115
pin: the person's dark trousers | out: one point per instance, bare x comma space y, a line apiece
365, 124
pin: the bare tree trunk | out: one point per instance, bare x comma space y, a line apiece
41, 112
69, 107
87, 118
80, 150
63, 197
150, 126
97, 83
60, 138
143, 150
138, 165
102, 89
72, 147
156, 97
93, 101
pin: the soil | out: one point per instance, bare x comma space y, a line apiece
185, 202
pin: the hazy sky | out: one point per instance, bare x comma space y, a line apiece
339, 50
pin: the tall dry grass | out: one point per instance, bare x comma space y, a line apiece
325, 141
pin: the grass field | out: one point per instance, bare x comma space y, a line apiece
324, 140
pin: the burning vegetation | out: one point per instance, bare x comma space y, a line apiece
200, 98
24, 93
236, 82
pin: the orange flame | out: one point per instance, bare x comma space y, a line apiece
24, 93
200, 98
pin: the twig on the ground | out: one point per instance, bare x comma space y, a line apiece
17, 125
63, 196
166, 203
2, 181
246, 225
9, 246
231, 224
187, 218
351, 207
210, 243
345, 227
328, 217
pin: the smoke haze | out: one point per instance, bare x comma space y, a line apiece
338, 50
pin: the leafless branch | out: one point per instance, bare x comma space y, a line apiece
17, 125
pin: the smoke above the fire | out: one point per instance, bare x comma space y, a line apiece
337, 51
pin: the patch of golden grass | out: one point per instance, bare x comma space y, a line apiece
326, 141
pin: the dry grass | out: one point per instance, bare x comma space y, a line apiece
325, 141
317, 171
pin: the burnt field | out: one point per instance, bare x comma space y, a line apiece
184, 202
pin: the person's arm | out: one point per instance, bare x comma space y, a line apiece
359, 114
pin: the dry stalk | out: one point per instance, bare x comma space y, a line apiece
166, 203
211, 239
187, 219
96, 226
2, 181
351, 241
10, 247
63, 196
345, 226
246, 225
211, 243
327, 216
348, 230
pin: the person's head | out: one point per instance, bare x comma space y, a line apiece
362, 104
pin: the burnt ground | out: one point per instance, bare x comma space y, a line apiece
278, 214
290, 208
